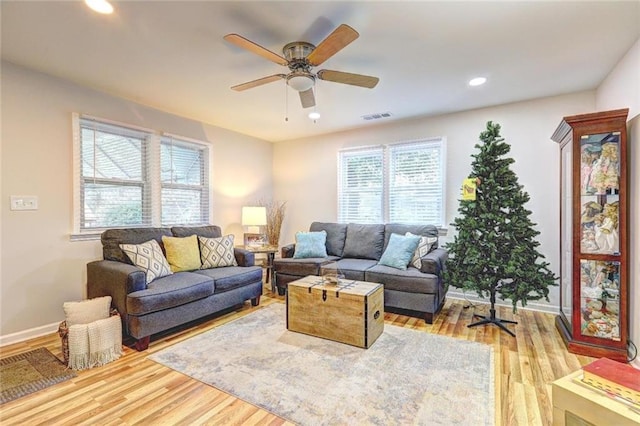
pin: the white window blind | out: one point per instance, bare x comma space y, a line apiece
360, 186
416, 183
402, 182
129, 177
184, 176
113, 168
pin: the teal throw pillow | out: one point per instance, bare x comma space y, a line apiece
310, 244
399, 251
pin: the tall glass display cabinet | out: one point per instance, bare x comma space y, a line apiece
593, 318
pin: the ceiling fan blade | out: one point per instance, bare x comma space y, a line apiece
348, 78
258, 82
240, 41
307, 98
336, 41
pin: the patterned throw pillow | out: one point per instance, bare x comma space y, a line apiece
217, 252
148, 256
424, 247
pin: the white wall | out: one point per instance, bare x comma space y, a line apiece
40, 267
305, 173
621, 89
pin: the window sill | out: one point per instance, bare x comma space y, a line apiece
85, 237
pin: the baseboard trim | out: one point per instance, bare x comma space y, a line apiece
540, 307
31, 333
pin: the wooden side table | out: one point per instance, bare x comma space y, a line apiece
270, 252
576, 403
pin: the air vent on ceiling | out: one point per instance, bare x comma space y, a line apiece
376, 116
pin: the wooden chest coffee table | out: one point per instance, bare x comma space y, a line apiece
351, 312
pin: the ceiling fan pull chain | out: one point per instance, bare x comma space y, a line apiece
286, 103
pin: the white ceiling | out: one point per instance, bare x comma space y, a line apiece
170, 55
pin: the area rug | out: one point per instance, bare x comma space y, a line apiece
405, 377
29, 372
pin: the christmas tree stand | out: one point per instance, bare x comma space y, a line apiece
491, 319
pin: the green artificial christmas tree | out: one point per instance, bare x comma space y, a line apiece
494, 252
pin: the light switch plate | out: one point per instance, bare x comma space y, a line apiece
24, 202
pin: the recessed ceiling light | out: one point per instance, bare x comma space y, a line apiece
314, 115
100, 6
478, 81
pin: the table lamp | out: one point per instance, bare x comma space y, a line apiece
253, 218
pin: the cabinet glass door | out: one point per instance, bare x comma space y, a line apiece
599, 193
600, 299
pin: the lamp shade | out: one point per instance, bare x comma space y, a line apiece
254, 216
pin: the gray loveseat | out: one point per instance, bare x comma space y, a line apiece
357, 248
174, 299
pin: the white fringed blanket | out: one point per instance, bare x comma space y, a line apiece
95, 344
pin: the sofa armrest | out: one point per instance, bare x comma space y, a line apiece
115, 279
244, 257
288, 250
434, 262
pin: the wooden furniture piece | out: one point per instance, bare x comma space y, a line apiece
270, 252
350, 312
594, 271
577, 404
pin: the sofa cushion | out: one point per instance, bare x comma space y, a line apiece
410, 280
354, 269
209, 231
364, 241
403, 228
301, 267
336, 235
169, 291
112, 238
148, 256
424, 247
400, 250
183, 253
232, 277
217, 252
310, 244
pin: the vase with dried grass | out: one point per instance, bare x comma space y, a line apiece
275, 216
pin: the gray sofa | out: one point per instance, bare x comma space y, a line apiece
174, 299
357, 248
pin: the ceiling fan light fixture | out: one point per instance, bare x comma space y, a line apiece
300, 82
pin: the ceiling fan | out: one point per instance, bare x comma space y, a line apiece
301, 57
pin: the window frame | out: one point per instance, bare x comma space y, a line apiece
386, 154
151, 177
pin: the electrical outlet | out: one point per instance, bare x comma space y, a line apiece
24, 202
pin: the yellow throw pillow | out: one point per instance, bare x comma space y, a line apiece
183, 254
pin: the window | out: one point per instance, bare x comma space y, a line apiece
128, 177
185, 189
402, 182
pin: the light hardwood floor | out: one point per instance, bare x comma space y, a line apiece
134, 390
